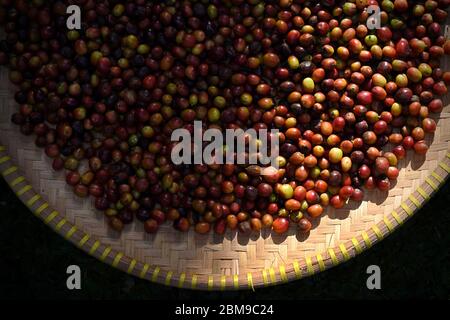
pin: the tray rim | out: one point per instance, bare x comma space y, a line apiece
297, 269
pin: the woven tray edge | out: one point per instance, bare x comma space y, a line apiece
295, 270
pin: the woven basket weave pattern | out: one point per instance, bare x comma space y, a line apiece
214, 262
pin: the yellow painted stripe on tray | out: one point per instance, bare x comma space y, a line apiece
168, 278
445, 167
51, 216
25, 189
117, 259
4, 159
388, 223
414, 200
437, 177
344, 251
366, 239
33, 200
283, 275
2, 148
144, 271
250, 281
333, 257
181, 280
309, 266
131, 266
42, 207
210, 282
236, 281
60, 224
422, 192
356, 245
10, 170
194, 281
94, 247
297, 270
397, 217
223, 282
431, 183
83, 240
70, 233
377, 232
17, 180
320, 261
265, 279
155, 273
272, 275
105, 253
407, 209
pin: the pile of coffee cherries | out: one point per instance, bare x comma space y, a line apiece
103, 101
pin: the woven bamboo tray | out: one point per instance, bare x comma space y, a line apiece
213, 262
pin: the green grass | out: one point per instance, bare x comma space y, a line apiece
414, 262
